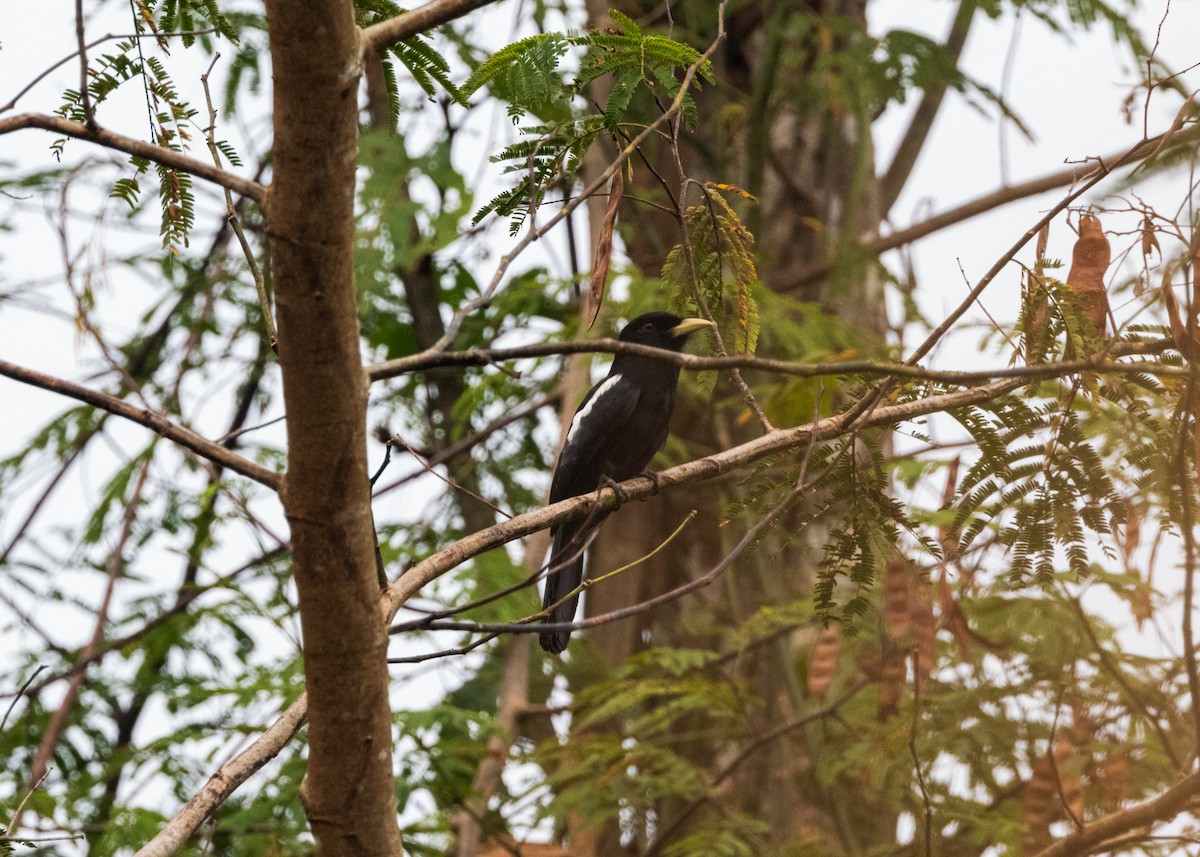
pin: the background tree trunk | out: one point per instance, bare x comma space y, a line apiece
812, 170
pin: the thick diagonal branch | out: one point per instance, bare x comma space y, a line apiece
157, 423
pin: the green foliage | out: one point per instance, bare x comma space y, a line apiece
172, 119
867, 523
416, 54
399, 228
739, 835
1038, 464
187, 16
550, 155
713, 266
527, 75
633, 731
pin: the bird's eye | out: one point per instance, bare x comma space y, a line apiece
648, 327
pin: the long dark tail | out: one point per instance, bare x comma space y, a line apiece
565, 572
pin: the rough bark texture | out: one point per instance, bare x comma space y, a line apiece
349, 794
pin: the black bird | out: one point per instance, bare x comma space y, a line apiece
620, 425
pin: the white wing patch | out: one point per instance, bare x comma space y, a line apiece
587, 409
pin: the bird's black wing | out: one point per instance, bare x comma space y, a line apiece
581, 465
598, 421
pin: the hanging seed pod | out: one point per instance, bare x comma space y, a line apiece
602, 257
1089, 263
823, 660
923, 628
896, 588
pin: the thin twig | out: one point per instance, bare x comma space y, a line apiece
64, 465
436, 622
693, 279
430, 469
14, 822
234, 435
17, 696
927, 806
467, 442
231, 215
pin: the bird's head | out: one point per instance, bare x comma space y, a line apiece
662, 330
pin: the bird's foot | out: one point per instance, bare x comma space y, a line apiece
653, 477
608, 482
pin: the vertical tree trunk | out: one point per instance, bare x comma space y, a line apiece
316, 62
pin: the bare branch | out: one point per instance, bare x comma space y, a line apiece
231, 214
138, 148
483, 357
157, 423
85, 97
1166, 806
466, 443
913, 141
419, 20
694, 471
996, 199
17, 696
222, 784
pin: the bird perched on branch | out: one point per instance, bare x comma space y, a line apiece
620, 425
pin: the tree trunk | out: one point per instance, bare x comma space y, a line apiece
349, 794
